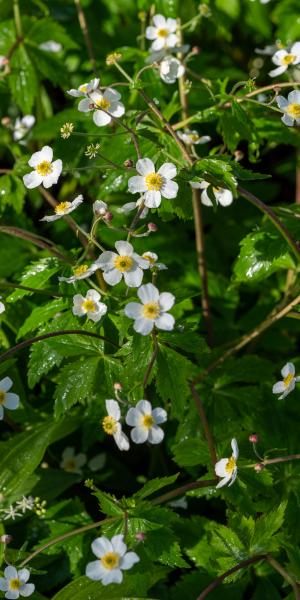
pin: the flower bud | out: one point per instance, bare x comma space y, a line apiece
152, 227
6, 539
238, 155
140, 536
108, 216
5, 121
118, 387
195, 50
253, 438
259, 467
128, 163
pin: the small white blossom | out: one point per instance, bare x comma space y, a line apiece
45, 171
51, 46
226, 467
14, 583
223, 196
99, 208
3, 61
63, 208
112, 559
112, 426
179, 503
22, 126
145, 423
152, 311
163, 33
89, 306
284, 59
72, 462
153, 258
289, 381
171, 69
10, 513
109, 101
290, 107
154, 185
7, 399
130, 206
125, 264
81, 272
27, 503
2, 306
191, 137
97, 462
85, 88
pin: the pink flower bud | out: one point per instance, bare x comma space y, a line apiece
152, 227
196, 50
259, 467
5, 121
108, 216
253, 438
118, 387
140, 536
6, 539
128, 163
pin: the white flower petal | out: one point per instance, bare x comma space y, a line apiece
165, 322
94, 570
159, 21
169, 189
113, 409
288, 369
152, 198
1, 412
223, 482
46, 153
139, 435
155, 435
113, 576
32, 180
233, 477
220, 467
144, 406
5, 384
148, 293
101, 118
128, 560
10, 572
101, 546
124, 248
112, 277
133, 417
133, 310
281, 102
278, 71
133, 278
117, 542
121, 440
137, 184
205, 199
143, 325
84, 105
3, 584
235, 449
168, 171
166, 301
27, 589
117, 109
11, 401
287, 120
144, 166
160, 415
294, 97
224, 197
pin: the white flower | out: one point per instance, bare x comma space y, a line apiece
108, 101
2, 306
171, 69
154, 185
63, 208
51, 46
99, 208
290, 107
284, 59
97, 462
14, 583
152, 311
162, 33
45, 171
10, 513
85, 88
22, 126
89, 306
7, 400
125, 264
153, 264
289, 381
226, 467
145, 423
191, 137
130, 206
81, 272
112, 559
112, 426
27, 503
223, 196
72, 462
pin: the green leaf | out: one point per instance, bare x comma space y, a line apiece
40, 315
75, 384
23, 80
36, 275
12, 193
109, 504
218, 172
266, 527
191, 452
173, 372
42, 359
154, 485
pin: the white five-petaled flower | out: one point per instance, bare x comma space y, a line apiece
98, 102
112, 426
125, 264
290, 106
45, 171
191, 137
153, 310
112, 559
289, 381
226, 467
2, 306
154, 185
72, 462
80, 272
223, 196
63, 208
27, 503
22, 126
14, 583
89, 306
284, 59
163, 33
85, 88
153, 264
10, 513
7, 399
171, 69
145, 423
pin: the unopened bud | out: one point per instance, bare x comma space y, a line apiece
152, 227
195, 50
259, 467
253, 438
128, 163
108, 216
5, 121
118, 387
4, 61
140, 536
6, 539
277, 89
238, 155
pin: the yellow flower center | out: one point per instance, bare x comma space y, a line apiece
89, 306
70, 465
62, 207
44, 168
83, 88
110, 425
162, 32
231, 464
288, 59
123, 263
110, 560
154, 181
216, 189
14, 584
80, 270
194, 137
2, 396
287, 380
294, 110
149, 258
103, 103
148, 421
151, 310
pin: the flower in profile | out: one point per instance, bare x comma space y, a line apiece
125, 264
288, 383
152, 311
130, 206
63, 208
98, 102
171, 69
154, 185
284, 59
223, 196
145, 423
2, 306
80, 272
85, 88
290, 106
99, 208
112, 426
89, 306
72, 462
51, 46
22, 126
112, 559
45, 171
191, 137
153, 264
14, 583
7, 399
226, 467
163, 33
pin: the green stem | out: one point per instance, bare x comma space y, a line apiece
279, 568
180, 491
17, 17
216, 582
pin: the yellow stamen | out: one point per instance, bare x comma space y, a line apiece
14, 584
294, 110
194, 137
2, 397
162, 32
154, 181
110, 560
148, 421
231, 464
62, 207
149, 258
123, 263
80, 270
44, 168
151, 310
287, 380
83, 88
88, 306
288, 59
110, 425
103, 103
216, 190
